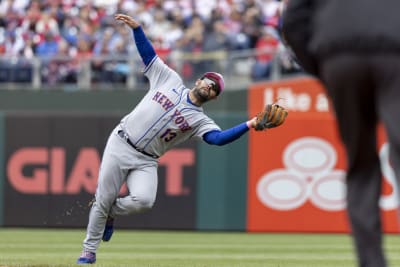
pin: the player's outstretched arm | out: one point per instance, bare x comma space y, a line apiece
227, 136
146, 50
272, 116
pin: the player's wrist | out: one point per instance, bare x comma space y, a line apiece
251, 123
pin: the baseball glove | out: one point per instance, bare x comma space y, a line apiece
272, 116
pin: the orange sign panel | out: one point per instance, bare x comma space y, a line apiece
297, 171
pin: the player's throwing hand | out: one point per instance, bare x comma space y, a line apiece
131, 22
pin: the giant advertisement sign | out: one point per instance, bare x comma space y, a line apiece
297, 171
51, 165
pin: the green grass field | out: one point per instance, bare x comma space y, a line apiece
56, 247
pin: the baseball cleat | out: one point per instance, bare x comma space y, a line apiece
108, 230
86, 257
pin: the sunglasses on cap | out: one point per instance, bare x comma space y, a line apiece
211, 84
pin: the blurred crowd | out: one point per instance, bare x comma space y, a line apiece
63, 32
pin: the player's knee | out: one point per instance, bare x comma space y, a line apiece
141, 204
104, 205
145, 204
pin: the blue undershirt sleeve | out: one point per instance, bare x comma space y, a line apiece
144, 46
221, 138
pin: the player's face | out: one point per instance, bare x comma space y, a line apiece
205, 89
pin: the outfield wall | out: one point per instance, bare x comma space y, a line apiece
289, 179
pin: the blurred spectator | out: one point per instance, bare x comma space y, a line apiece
48, 47
47, 24
143, 15
102, 46
33, 14
29, 48
126, 6
13, 7
237, 39
60, 69
160, 26
192, 45
113, 49
215, 42
13, 43
266, 48
176, 29
270, 10
84, 50
67, 69
252, 24
70, 30
216, 37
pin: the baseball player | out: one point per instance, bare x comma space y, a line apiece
168, 115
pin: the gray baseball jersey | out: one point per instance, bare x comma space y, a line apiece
164, 118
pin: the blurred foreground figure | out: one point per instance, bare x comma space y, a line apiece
356, 55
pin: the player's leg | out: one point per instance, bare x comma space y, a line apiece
349, 82
111, 178
142, 186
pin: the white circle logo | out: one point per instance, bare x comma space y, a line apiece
309, 156
282, 190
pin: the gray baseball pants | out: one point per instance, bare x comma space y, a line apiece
120, 163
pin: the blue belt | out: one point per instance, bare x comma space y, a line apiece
122, 134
